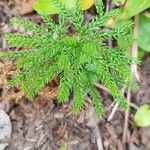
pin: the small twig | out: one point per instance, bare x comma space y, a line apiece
108, 8
134, 54
101, 87
97, 134
134, 106
126, 118
134, 49
112, 105
114, 108
108, 5
113, 112
95, 129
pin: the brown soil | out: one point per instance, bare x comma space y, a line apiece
46, 125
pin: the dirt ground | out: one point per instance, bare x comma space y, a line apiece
46, 125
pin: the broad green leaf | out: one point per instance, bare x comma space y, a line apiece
86, 4
142, 116
45, 7
62, 148
144, 33
49, 7
134, 7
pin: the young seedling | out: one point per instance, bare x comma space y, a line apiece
79, 60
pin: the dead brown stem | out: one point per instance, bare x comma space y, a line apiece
134, 54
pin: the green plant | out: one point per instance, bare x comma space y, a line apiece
79, 60
49, 7
133, 7
144, 33
142, 116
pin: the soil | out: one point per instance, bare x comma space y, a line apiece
46, 125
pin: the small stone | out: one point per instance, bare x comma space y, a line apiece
3, 146
5, 129
58, 115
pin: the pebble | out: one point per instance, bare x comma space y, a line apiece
5, 129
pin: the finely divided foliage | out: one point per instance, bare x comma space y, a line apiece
79, 60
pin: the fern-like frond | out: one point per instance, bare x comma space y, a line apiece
97, 102
64, 91
37, 79
100, 7
79, 60
28, 62
16, 54
28, 25
80, 92
77, 17
56, 30
65, 86
109, 82
25, 41
17, 79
